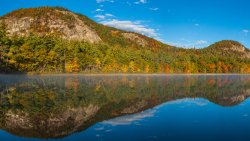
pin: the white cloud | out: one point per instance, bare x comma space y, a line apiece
200, 42
154, 9
103, 17
245, 31
133, 26
109, 15
141, 2
130, 119
99, 10
100, 17
189, 44
100, 1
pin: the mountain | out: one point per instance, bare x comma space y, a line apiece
46, 21
56, 40
67, 25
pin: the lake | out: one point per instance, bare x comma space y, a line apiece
125, 107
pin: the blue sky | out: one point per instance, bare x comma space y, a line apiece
185, 23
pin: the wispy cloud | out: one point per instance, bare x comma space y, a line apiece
100, 17
109, 15
154, 9
133, 26
141, 2
200, 42
99, 10
188, 43
196, 24
100, 1
245, 30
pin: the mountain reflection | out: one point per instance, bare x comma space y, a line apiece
57, 106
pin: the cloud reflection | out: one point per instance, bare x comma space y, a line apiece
130, 119
189, 102
134, 118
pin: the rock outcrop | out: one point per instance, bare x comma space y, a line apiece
49, 21
135, 38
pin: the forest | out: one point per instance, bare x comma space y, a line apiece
52, 54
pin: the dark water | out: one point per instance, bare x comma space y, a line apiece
125, 107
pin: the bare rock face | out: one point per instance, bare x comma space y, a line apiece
239, 48
246, 55
57, 22
229, 45
135, 38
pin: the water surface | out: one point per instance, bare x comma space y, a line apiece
125, 107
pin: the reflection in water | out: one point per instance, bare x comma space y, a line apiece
57, 106
129, 119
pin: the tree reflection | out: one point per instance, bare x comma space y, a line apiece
56, 106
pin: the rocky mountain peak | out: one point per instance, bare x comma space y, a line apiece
46, 21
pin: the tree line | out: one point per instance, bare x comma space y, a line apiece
51, 54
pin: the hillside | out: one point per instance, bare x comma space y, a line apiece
228, 47
68, 25
56, 40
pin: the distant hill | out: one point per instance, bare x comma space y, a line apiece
56, 40
229, 46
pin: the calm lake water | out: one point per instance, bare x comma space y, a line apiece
125, 107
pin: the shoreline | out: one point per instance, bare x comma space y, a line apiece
125, 74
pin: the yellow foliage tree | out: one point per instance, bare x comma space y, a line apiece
146, 69
73, 66
124, 68
132, 66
